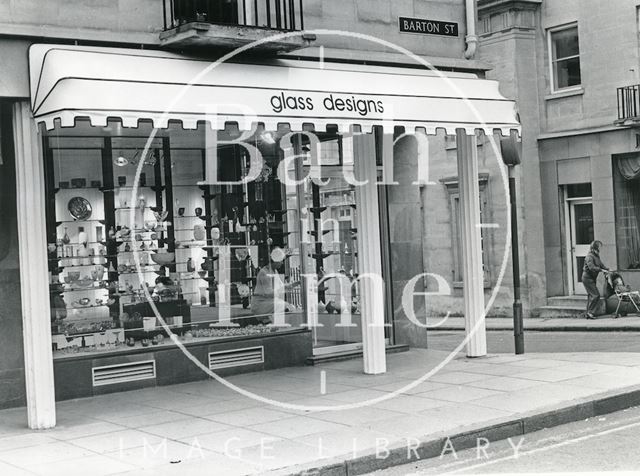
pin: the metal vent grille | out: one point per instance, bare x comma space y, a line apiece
236, 357
120, 373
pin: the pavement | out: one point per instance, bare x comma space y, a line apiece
564, 324
206, 428
592, 446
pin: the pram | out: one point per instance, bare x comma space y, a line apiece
618, 294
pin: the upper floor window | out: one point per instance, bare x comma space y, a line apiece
564, 51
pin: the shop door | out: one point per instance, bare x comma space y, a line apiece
333, 241
581, 230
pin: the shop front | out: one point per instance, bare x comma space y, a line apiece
188, 217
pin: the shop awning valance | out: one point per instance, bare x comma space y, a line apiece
70, 82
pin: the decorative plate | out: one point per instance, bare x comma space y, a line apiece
79, 208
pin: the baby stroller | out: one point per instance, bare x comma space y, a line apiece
619, 295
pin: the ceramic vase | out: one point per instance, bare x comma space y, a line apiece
199, 233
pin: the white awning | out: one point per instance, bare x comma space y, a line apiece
69, 82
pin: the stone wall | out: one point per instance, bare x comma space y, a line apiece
379, 18
512, 41
140, 21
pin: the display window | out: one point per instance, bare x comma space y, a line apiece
143, 244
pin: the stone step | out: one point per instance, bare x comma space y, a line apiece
351, 354
568, 301
561, 311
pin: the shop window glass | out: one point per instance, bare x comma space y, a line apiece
565, 58
130, 230
626, 188
217, 260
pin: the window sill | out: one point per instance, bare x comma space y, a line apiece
565, 93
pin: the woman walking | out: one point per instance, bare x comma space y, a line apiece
593, 265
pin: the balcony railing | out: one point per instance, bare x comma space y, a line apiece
628, 102
283, 15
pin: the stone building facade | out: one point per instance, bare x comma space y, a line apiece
573, 67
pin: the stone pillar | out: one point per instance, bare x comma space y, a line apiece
34, 287
473, 276
369, 256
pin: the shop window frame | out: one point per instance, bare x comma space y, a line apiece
453, 190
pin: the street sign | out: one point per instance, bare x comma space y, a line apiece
427, 27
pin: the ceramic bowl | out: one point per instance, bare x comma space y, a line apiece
163, 259
73, 275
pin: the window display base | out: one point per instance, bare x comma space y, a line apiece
88, 374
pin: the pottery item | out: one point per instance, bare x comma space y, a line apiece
207, 264
199, 233
79, 208
242, 254
96, 184
122, 180
163, 259
82, 236
181, 211
52, 248
73, 276
84, 301
243, 290
190, 267
198, 211
161, 215
65, 239
63, 184
215, 233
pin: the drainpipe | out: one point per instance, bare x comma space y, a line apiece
471, 39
